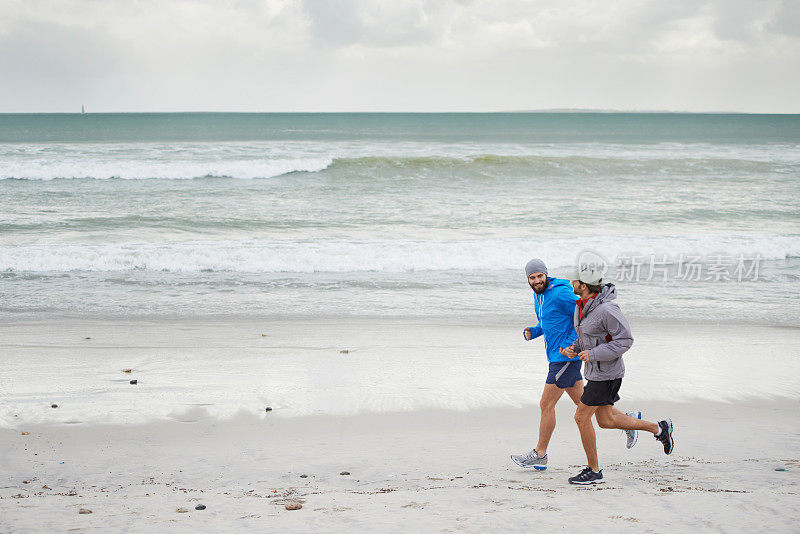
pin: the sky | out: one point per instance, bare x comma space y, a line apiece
399, 55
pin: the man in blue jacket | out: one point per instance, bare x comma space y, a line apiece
554, 302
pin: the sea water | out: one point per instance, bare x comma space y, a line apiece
429, 215
401, 238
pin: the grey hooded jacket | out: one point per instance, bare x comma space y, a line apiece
605, 333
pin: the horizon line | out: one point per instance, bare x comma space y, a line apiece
521, 111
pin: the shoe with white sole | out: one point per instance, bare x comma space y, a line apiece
531, 459
586, 477
633, 435
665, 436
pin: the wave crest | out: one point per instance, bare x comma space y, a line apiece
327, 255
128, 169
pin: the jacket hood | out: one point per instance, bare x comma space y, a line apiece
608, 292
553, 282
559, 282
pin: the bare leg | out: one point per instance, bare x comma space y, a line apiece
547, 423
575, 392
583, 418
607, 417
615, 411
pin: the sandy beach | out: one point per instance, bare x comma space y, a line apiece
134, 454
432, 471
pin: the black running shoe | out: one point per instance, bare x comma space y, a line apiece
587, 476
665, 437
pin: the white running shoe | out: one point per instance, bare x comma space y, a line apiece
531, 459
633, 435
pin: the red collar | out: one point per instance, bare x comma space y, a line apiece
582, 303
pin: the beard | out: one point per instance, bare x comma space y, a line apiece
541, 287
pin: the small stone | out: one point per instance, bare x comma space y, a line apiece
84, 511
54, 405
781, 469
263, 335
293, 505
26, 481
303, 476
269, 409
181, 510
344, 351
134, 382
87, 338
345, 473
26, 433
200, 507
46, 487
127, 370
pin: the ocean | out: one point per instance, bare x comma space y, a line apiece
395, 215
350, 263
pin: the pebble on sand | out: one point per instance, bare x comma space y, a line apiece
54, 405
345, 473
87, 338
26, 433
181, 510
293, 505
263, 335
269, 409
781, 469
200, 507
303, 476
344, 351
134, 382
127, 370
84, 511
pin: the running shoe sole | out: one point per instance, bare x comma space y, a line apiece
669, 436
537, 467
635, 439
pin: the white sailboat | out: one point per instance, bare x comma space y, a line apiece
82, 109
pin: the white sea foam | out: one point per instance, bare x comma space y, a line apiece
268, 159
401, 255
132, 169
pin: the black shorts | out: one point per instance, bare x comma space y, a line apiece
601, 392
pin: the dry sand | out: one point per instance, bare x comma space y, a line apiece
427, 471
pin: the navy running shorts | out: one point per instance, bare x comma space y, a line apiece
564, 374
601, 392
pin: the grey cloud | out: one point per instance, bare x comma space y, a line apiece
46, 50
740, 20
786, 20
399, 55
370, 22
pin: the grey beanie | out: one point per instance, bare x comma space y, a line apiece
535, 266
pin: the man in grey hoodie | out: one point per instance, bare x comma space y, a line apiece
603, 335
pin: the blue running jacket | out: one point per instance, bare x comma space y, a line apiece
554, 309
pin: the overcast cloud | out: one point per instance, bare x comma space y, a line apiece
399, 55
